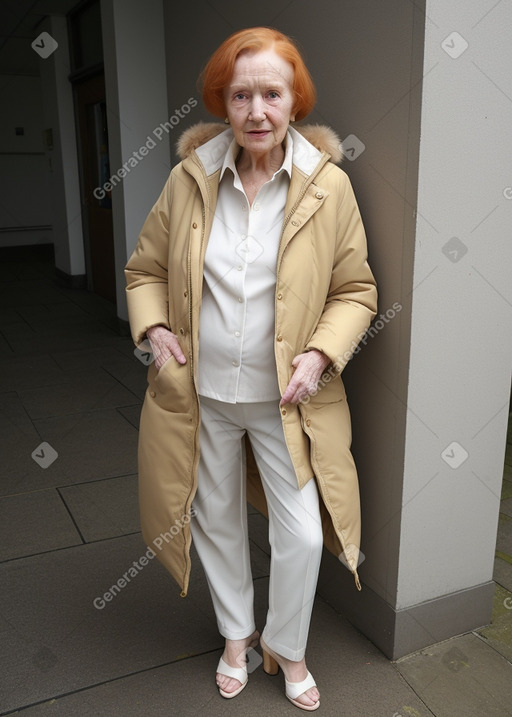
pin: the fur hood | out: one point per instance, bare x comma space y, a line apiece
323, 138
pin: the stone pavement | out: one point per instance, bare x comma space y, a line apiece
70, 396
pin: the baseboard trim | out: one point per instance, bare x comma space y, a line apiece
70, 281
399, 632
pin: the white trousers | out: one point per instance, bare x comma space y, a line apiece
220, 534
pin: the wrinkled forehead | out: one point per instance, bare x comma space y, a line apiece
262, 67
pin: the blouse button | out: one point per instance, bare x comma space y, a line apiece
279, 296
319, 195
185, 293
182, 331
295, 223
283, 411
194, 225
308, 422
279, 338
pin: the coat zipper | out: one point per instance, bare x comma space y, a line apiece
184, 593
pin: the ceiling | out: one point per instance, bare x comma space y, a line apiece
19, 22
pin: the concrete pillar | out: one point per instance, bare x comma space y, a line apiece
63, 158
135, 80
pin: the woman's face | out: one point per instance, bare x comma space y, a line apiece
259, 101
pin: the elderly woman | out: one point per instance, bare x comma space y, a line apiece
250, 280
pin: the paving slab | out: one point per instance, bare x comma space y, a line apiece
20, 372
83, 391
508, 454
5, 346
44, 317
506, 488
55, 641
506, 506
104, 509
504, 539
499, 633
502, 573
84, 359
35, 523
24, 340
28, 290
126, 369
461, 677
258, 531
9, 316
78, 440
353, 676
131, 414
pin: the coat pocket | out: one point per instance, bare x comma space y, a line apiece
171, 387
330, 390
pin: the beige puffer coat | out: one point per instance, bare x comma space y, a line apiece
325, 298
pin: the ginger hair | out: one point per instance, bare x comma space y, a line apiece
218, 72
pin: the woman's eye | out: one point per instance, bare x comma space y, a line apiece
239, 96
273, 95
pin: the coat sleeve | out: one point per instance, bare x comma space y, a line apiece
351, 301
146, 272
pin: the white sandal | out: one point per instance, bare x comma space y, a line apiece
237, 673
293, 689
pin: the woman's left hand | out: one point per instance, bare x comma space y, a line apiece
308, 367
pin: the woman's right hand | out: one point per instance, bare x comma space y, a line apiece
164, 344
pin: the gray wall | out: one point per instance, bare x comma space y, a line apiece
134, 56
66, 206
23, 166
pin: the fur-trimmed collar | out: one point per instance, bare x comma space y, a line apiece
323, 138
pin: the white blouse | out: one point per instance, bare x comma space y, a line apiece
236, 331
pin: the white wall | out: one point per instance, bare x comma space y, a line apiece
25, 198
461, 347
64, 177
135, 82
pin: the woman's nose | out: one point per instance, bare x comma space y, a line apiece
257, 112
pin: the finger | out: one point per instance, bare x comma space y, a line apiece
292, 393
163, 356
176, 351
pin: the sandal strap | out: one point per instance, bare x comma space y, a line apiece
237, 673
295, 689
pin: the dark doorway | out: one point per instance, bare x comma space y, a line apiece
95, 171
